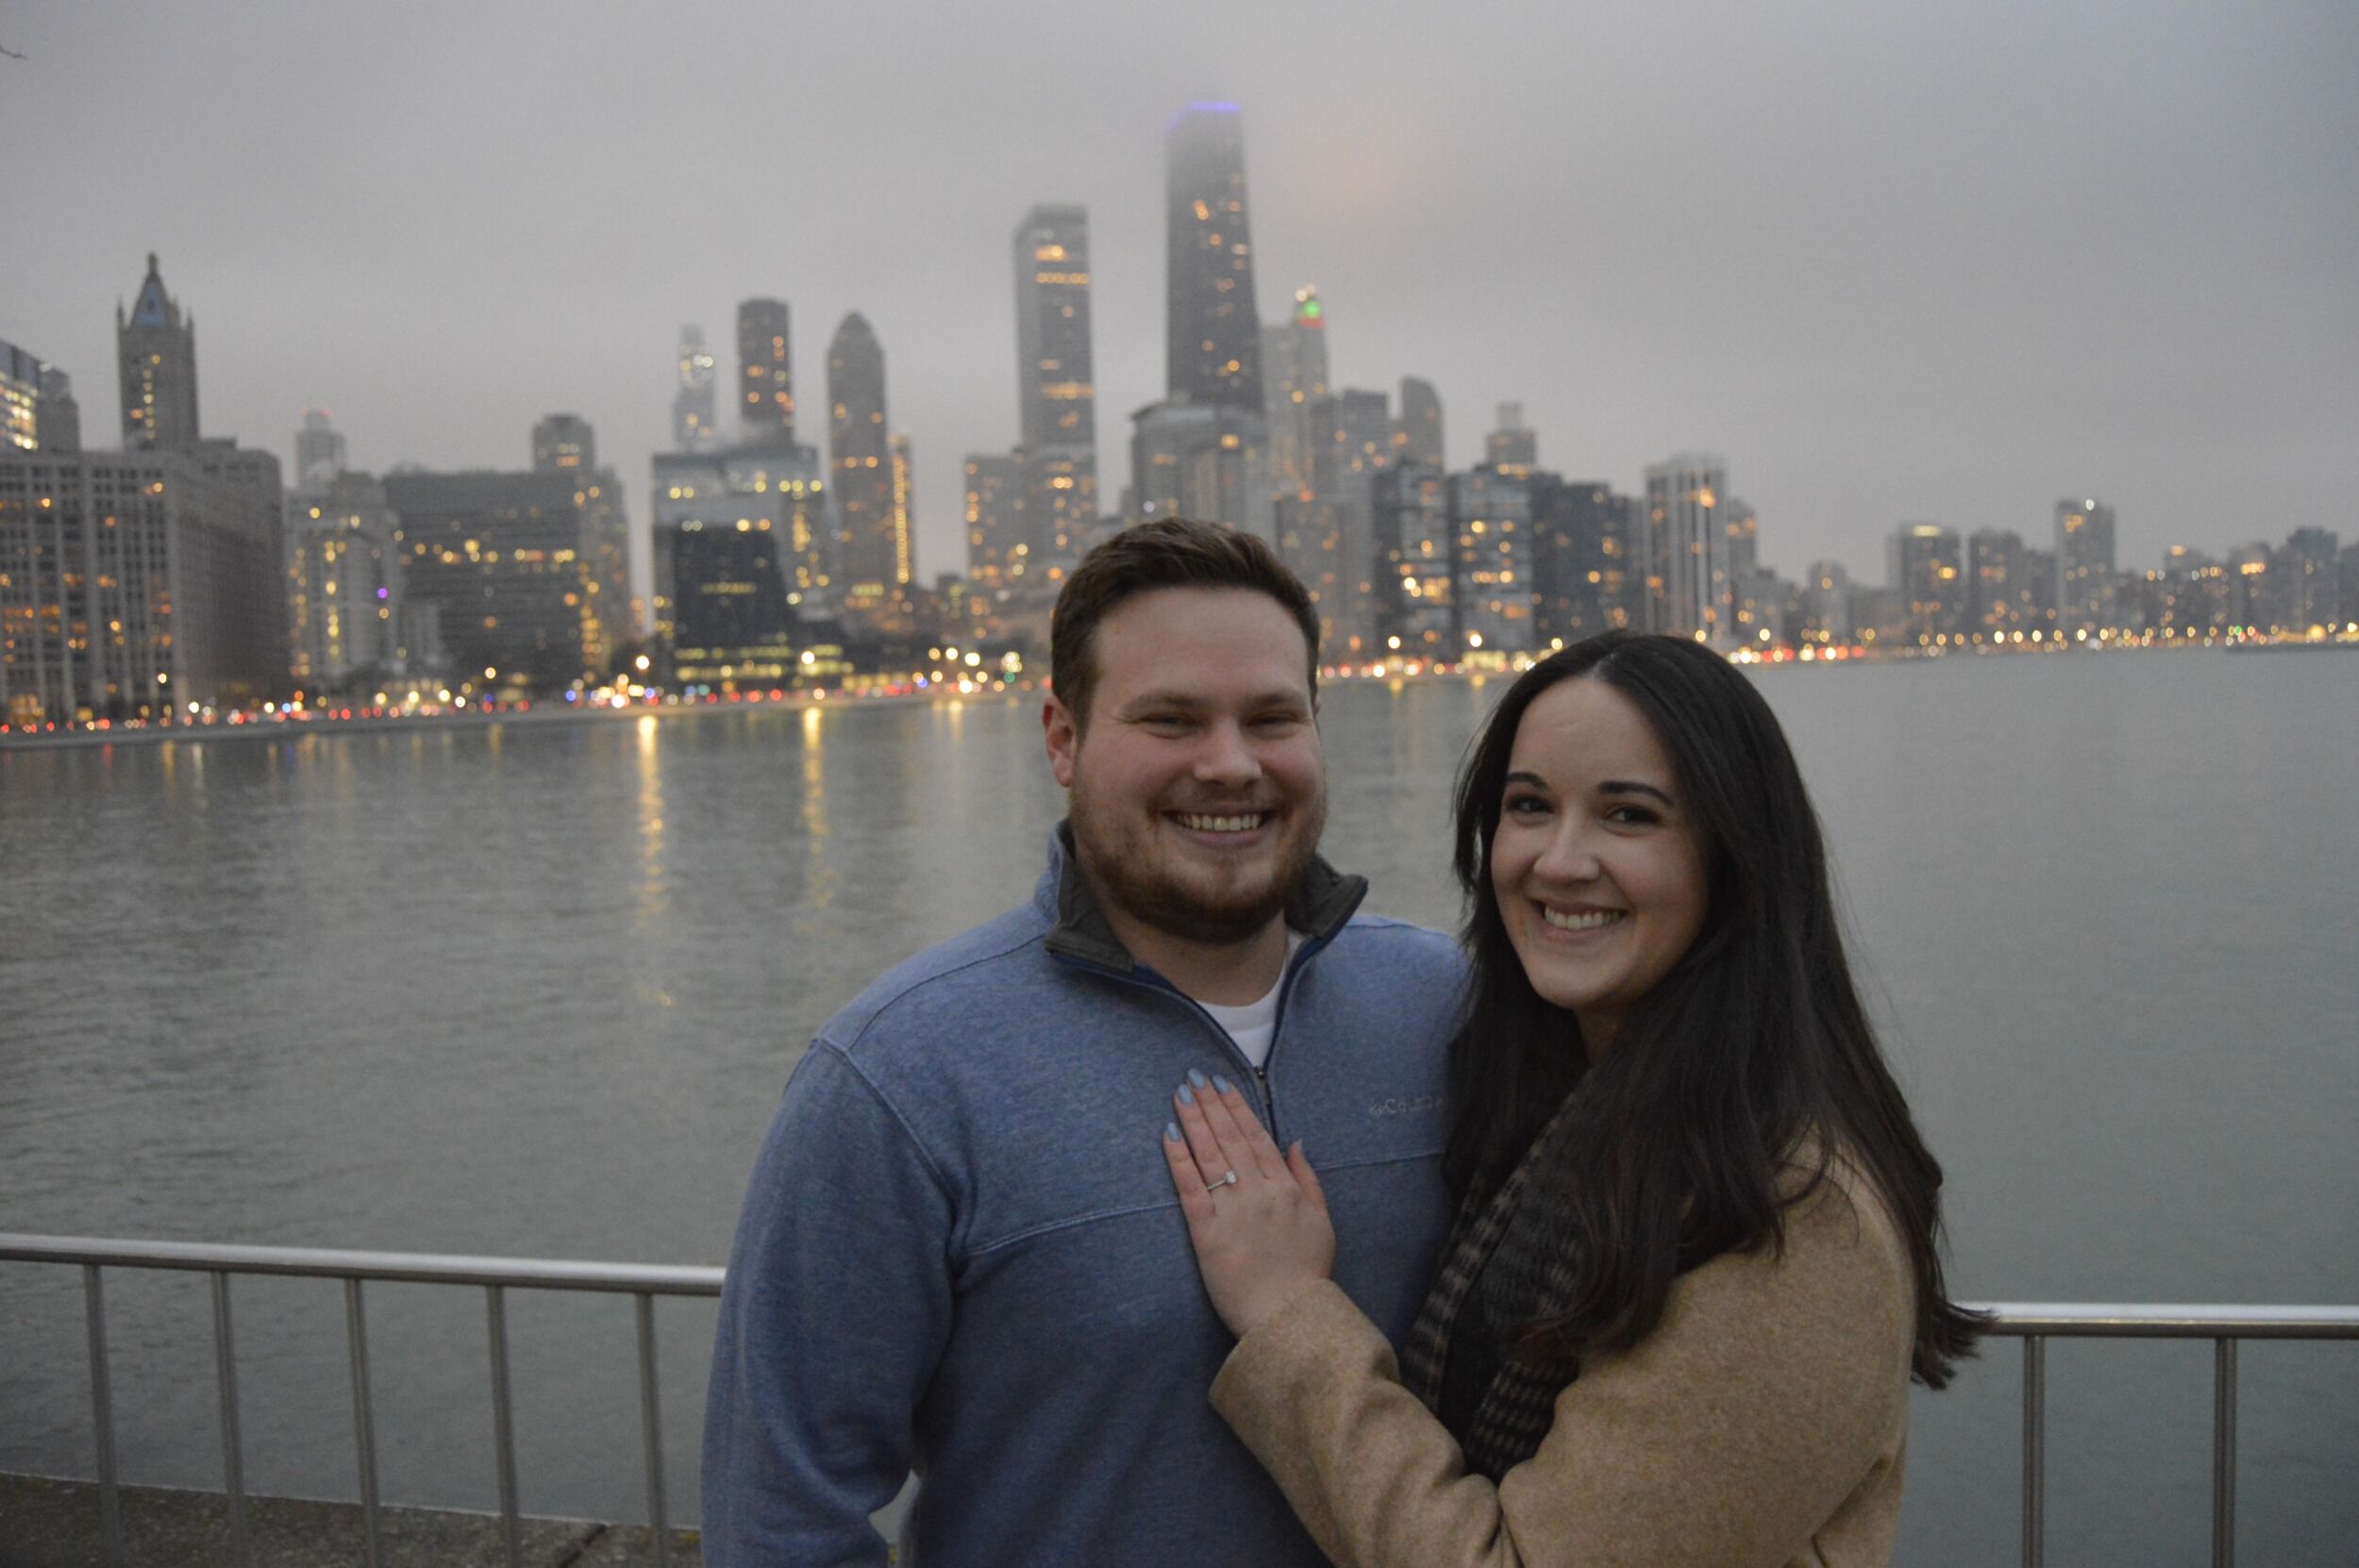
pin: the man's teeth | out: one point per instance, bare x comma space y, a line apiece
1222, 825
1588, 922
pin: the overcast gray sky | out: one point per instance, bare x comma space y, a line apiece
1895, 262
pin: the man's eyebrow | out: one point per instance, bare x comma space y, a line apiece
1192, 702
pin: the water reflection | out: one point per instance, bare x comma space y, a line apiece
650, 905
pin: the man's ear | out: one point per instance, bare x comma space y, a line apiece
1064, 736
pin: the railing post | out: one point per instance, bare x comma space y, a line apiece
651, 1427
2034, 1448
504, 1424
2224, 1452
363, 1416
232, 1456
102, 1413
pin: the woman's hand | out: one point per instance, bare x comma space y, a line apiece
1257, 1217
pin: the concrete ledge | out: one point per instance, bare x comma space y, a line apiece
52, 1524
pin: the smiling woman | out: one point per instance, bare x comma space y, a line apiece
1695, 1260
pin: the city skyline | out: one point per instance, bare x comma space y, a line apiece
2127, 273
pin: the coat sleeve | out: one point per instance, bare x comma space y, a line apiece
833, 1317
1776, 1384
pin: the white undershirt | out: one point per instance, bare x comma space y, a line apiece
1253, 1024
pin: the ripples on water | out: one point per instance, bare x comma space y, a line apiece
534, 989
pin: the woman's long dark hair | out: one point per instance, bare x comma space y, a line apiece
1753, 1046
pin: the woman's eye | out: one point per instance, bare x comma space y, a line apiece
1524, 806
1631, 815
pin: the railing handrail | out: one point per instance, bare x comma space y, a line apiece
429, 1268
2015, 1319
2034, 1322
2166, 1321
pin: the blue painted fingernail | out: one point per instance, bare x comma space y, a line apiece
1187, 1095
1196, 1077
1171, 1133
1220, 1083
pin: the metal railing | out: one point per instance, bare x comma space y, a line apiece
642, 1282
2034, 1323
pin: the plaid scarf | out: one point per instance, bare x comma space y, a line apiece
1510, 1230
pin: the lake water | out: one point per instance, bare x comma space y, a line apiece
534, 989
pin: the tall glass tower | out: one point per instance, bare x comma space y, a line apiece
766, 402
859, 461
1055, 389
1214, 343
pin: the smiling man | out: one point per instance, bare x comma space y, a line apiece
959, 1256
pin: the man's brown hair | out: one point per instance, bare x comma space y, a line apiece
1171, 552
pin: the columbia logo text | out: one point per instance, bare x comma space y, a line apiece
1408, 1105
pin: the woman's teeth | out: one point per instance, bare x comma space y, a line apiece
1588, 922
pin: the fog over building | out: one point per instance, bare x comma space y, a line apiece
155, 352
320, 453
694, 416
1212, 329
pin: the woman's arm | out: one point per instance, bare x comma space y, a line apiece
1773, 1391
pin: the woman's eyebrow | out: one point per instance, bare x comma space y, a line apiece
1631, 786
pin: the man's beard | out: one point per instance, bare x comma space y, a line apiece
1127, 878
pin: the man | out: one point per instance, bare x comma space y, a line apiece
959, 1254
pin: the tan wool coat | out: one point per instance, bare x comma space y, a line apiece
1764, 1423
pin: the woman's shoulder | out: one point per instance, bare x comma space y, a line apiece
1837, 1218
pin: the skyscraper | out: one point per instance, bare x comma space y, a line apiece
1213, 331
1056, 399
998, 547
1351, 440
1928, 578
1296, 366
859, 461
694, 424
1056, 391
2084, 567
1687, 548
1417, 438
1513, 448
564, 442
155, 348
766, 374
1417, 610
1491, 514
37, 409
319, 450
139, 584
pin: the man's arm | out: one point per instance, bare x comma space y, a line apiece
834, 1314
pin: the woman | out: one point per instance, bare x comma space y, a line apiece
1696, 1261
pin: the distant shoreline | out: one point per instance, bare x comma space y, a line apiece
280, 728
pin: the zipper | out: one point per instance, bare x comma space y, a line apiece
1266, 1100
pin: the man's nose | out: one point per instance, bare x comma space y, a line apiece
1225, 756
